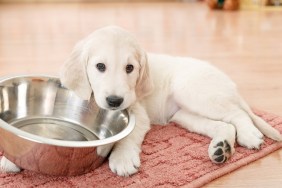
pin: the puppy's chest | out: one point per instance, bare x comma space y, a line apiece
160, 108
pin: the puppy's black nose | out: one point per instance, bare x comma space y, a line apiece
114, 101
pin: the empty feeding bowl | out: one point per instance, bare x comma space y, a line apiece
46, 128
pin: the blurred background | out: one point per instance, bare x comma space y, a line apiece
241, 37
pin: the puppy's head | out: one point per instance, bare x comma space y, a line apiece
109, 63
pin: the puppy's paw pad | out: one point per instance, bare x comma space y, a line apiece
7, 166
220, 152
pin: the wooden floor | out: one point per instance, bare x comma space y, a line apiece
245, 44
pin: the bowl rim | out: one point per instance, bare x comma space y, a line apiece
65, 143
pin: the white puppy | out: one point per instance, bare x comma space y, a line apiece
160, 89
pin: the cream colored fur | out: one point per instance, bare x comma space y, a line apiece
159, 90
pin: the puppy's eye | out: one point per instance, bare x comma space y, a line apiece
101, 67
129, 68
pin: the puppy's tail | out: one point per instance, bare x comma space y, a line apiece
264, 127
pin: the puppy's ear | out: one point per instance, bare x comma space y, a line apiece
144, 83
73, 74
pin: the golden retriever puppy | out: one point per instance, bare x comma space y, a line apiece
159, 89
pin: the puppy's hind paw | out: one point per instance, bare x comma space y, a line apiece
7, 166
249, 140
220, 151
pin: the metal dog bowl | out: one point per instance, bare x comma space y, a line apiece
46, 128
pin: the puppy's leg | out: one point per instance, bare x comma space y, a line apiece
222, 134
247, 133
7, 166
124, 159
223, 105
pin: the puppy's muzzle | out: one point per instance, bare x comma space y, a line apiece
114, 101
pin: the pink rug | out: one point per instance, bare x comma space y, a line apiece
171, 157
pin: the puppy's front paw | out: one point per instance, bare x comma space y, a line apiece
220, 151
7, 166
124, 162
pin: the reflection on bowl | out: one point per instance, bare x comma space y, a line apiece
46, 128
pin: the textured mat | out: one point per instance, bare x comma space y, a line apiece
171, 157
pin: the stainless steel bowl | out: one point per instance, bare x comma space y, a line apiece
46, 128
